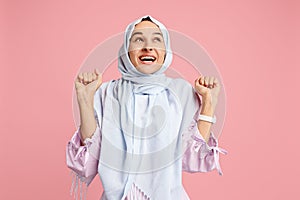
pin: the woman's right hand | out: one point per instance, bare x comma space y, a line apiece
86, 85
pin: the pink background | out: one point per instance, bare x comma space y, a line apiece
253, 43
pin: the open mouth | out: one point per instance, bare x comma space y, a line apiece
147, 59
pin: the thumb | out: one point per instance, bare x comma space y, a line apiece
97, 71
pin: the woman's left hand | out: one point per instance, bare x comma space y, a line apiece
209, 88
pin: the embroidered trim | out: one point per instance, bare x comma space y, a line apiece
136, 194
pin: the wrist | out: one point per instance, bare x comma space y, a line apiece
85, 100
208, 103
207, 107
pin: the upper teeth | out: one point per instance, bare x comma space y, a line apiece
147, 57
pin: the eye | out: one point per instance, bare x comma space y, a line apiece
157, 39
138, 39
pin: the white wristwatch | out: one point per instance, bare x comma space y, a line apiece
207, 118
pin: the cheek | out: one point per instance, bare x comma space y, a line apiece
133, 57
132, 54
161, 56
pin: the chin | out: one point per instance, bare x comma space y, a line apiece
148, 69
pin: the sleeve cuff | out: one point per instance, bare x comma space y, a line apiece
87, 141
79, 158
208, 147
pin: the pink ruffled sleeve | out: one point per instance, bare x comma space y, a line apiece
83, 160
199, 155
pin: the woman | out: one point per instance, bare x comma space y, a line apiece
139, 132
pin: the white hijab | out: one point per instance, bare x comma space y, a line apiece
144, 149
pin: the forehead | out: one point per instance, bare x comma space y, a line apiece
146, 27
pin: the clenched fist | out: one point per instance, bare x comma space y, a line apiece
87, 83
208, 88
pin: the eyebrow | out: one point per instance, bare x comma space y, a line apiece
140, 33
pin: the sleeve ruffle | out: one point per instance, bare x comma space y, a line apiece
199, 155
83, 160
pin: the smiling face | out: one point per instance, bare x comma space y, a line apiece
147, 48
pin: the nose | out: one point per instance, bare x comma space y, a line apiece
147, 49
147, 46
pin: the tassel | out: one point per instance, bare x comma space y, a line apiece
76, 187
72, 186
81, 188
78, 184
85, 191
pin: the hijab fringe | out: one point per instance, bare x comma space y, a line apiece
78, 184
